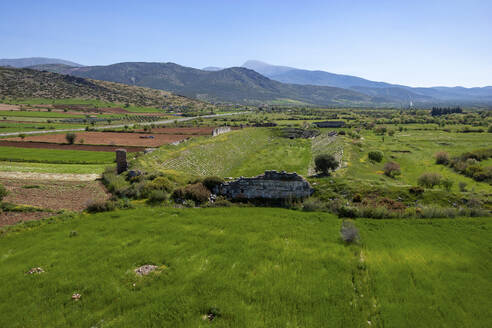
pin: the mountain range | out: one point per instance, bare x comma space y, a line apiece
256, 82
32, 61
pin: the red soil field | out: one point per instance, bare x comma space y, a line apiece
47, 145
108, 138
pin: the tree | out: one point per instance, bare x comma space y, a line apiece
70, 136
376, 156
325, 162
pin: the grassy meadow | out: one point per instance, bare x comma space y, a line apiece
260, 267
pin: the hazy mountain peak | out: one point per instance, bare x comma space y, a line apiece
265, 68
33, 61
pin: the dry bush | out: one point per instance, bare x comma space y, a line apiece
392, 169
349, 232
442, 157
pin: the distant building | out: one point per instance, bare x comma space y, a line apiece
330, 124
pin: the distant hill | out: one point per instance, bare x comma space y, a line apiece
32, 61
230, 85
20, 83
395, 92
212, 68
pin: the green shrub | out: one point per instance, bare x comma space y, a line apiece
162, 183
96, 206
70, 136
447, 184
429, 180
416, 190
157, 196
442, 157
212, 182
462, 186
325, 162
3, 192
375, 156
392, 169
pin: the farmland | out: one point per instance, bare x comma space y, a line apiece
256, 266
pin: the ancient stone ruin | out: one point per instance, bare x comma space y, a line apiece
121, 163
221, 130
271, 185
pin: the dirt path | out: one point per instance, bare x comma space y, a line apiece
49, 176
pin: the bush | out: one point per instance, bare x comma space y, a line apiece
312, 204
196, 192
429, 180
162, 183
447, 184
70, 136
416, 190
376, 156
349, 232
392, 169
462, 186
211, 182
325, 162
157, 196
381, 130
442, 157
3, 192
96, 206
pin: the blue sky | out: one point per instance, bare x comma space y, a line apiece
417, 43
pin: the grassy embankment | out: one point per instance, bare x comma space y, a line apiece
246, 152
260, 267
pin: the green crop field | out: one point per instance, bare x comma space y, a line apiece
55, 156
259, 267
244, 152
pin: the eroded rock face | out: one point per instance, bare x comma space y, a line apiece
271, 185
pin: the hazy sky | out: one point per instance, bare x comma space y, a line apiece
417, 43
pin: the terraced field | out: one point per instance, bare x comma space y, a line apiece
246, 152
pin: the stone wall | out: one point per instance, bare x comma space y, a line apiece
271, 185
121, 163
221, 130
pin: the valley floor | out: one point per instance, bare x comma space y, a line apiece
256, 267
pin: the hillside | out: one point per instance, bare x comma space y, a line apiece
395, 92
28, 83
26, 62
233, 85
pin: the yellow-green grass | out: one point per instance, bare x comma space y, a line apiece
261, 267
414, 151
245, 152
55, 156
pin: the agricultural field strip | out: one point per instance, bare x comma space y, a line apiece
118, 125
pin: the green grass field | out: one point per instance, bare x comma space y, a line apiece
261, 267
55, 156
245, 152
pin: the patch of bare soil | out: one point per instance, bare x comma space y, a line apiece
9, 218
109, 138
47, 145
9, 107
49, 176
54, 195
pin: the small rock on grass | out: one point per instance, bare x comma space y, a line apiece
76, 296
145, 269
35, 270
